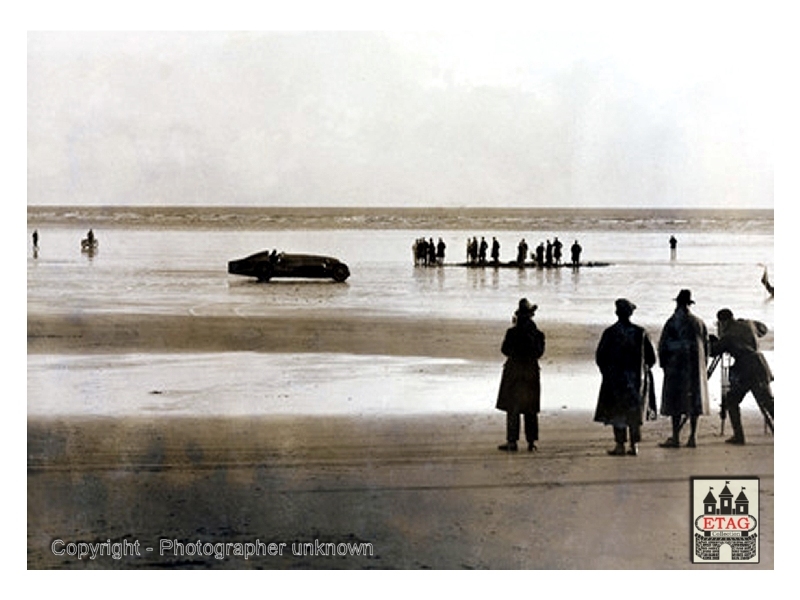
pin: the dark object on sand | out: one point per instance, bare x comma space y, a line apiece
266, 265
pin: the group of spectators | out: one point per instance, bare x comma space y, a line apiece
625, 356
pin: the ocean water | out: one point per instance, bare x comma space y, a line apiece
170, 266
174, 261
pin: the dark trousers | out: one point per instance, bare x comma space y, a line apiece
621, 434
762, 392
531, 425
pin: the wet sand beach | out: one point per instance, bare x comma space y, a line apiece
425, 491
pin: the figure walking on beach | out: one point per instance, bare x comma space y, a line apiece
682, 353
624, 356
520, 388
35, 239
750, 371
673, 247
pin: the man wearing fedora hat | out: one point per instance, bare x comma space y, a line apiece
683, 353
624, 356
520, 386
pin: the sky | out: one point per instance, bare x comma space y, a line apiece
640, 114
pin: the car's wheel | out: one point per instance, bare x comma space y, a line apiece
340, 273
264, 272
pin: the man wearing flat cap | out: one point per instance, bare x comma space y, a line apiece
624, 356
750, 371
683, 353
520, 389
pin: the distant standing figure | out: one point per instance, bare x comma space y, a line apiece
522, 251
440, 248
557, 245
673, 247
90, 237
576, 253
624, 356
495, 250
750, 371
540, 255
431, 252
482, 250
35, 239
548, 254
683, 352
520, 388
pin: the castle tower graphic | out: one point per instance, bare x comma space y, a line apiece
720, 514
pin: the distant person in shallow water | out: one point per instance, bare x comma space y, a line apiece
495, 250
625, 356
522, 251
540, 255
548, 254
673, 247
440, 248
520, 388
35, 239
557, 245
683, 354
482, 250
575, 251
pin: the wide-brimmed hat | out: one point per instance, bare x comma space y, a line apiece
623, 304
525, 307
684, 298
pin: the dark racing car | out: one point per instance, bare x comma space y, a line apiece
266, 265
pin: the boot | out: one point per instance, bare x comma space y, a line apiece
509, 447
619, 450
633, 450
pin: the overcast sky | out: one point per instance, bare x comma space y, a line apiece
647, 116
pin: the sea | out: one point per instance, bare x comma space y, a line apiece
173, 260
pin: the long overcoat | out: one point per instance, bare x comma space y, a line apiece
624, 356
520, 387
683, 354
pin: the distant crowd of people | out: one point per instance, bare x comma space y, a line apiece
625, 357
426, 252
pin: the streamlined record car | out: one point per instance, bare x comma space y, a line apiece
267, 265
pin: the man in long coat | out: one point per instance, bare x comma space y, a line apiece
520, 389
683, 353
624, 356
750, 371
